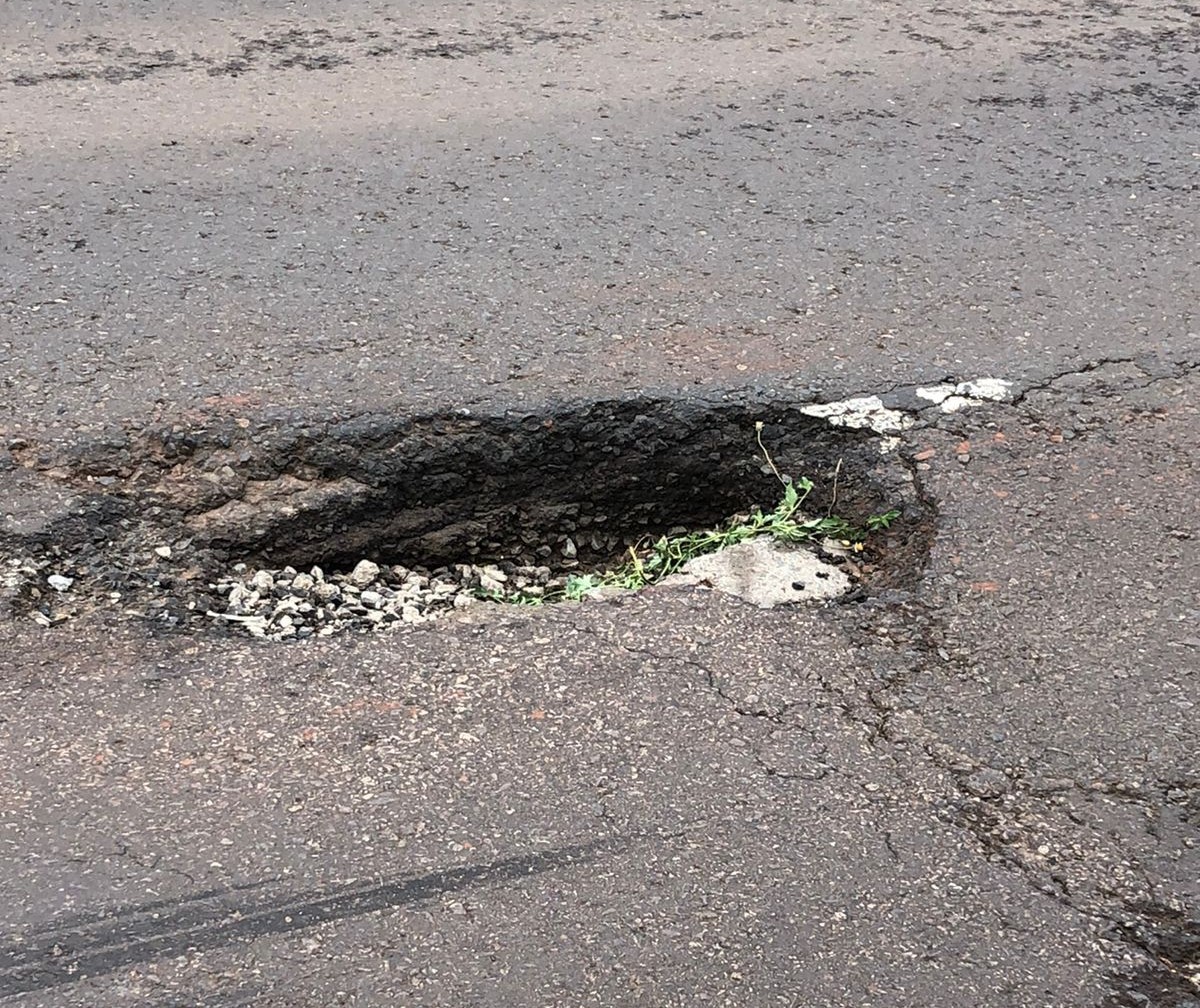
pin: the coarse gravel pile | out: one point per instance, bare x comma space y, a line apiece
289, 604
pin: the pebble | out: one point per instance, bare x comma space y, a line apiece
364, 573
285, 604
326, 592
59, 583
490, 584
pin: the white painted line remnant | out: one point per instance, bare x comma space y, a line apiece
952, 398
869, 411
865, 411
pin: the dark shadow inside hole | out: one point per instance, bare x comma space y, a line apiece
605, 482
516, 488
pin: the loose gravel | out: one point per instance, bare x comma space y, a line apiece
291, 604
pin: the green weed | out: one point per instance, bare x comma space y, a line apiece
881, 521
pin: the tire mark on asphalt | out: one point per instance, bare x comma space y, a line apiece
88, 946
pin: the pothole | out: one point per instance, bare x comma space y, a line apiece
395, 521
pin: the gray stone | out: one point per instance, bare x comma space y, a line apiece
364, 573
326, 592
59, 583
602, 593
489, 584
263, 581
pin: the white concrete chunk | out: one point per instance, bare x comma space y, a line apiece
765, 573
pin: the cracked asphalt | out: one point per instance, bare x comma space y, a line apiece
979, 789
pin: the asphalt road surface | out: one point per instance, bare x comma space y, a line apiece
975, 788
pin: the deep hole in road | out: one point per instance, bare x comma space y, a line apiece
161, 523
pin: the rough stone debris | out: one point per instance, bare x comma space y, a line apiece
292, 605
765, 573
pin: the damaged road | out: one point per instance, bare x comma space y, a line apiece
979, 781
517, 283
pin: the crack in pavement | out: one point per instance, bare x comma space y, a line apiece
967, 812
1178, 368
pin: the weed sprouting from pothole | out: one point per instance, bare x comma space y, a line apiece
653, 562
